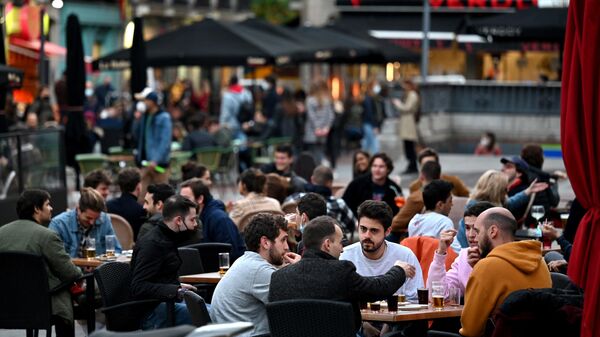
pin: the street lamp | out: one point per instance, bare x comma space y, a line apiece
58, 4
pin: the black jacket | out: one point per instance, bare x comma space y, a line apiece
319, 275
186, 238
361, 189
154, 265
127, 206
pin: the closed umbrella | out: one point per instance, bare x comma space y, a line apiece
139, 77
75, 129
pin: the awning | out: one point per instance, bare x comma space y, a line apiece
32, 48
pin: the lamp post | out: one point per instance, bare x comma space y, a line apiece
42, 65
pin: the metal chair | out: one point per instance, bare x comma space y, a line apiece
178, 158
123, 231
178, 331
122, 312
197, 309
309, 317
209, 157
209, 252
91, 161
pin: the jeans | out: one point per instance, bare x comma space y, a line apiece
157, 318
369, 143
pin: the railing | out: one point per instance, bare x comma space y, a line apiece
492, 98
31, 160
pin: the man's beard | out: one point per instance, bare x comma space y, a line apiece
374, 247
485, 247
274, 258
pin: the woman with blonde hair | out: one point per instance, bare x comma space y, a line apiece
492, 187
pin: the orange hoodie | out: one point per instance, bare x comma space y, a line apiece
508, 267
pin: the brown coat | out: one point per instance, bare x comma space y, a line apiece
414, 205
459, 190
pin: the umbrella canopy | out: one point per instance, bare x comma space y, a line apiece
139, 77
539, 24
209, 43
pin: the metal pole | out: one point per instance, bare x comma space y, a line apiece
42, 66
425, 45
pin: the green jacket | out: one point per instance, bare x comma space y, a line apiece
30, 237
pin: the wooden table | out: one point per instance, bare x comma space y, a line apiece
83, 262
210, 278
415, 315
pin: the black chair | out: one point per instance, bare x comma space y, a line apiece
209, 253
122, 312
197, 309
178, 331
26, 301
300, 318
191, 262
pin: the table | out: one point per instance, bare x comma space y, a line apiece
83, 262
210, 278
404, 316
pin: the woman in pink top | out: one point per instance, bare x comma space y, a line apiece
461, 268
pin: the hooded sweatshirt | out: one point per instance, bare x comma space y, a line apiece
507, 268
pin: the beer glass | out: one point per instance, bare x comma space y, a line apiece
437, 295
90, 249
223, 263
453, 297
110, 241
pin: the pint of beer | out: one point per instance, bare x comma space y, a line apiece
438, 302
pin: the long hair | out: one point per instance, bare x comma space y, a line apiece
491, 187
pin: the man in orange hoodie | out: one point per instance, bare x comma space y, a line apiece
505, 266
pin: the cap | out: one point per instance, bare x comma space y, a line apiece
147, 93
518, 161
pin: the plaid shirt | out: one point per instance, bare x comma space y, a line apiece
336, 208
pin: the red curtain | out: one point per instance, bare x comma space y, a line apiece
580, 136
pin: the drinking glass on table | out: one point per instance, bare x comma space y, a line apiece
90, 248
223, 263
437, 295
110, 241
537, 211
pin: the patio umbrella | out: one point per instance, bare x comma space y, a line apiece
75, 139
536, 24
139, 77
580, 121
209, 43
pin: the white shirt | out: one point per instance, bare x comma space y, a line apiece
393, 252
432, 224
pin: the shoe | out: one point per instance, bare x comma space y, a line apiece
410, 170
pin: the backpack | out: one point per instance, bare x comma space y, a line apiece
245, 112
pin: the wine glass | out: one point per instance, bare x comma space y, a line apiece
537, 211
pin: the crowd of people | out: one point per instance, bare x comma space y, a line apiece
310, 253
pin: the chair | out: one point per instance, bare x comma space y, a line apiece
91, 161
458, 210
309, 317
209, 157
248, 216
197, 309
26, 300
123, 231
424, 248
209, 252
178, 331
227, 165
122, 312
191, 262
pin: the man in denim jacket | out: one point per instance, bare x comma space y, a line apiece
154, 141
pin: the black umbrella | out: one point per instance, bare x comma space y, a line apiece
536, 24
209, 43
137, 59
75, 140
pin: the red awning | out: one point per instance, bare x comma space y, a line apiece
32, 48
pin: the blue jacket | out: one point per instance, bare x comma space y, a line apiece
218, 227
67, 227
127, 206
156, 145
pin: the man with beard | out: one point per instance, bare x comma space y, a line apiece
155, 263
30, 234
458, 274
519, 263
242, 294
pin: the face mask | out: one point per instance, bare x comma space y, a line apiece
89, 92
376, 88
484, 141
140, 106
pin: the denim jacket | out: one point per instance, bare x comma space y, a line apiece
157, 144
67, 227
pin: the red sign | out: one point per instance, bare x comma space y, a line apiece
454, 4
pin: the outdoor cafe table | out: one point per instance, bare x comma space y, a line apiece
414, 315
96, 262
210, 278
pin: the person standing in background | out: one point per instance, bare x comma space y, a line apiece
409, 108
319, 117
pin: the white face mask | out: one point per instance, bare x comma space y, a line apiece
485, 141
89, 92
140, 106
376, 89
